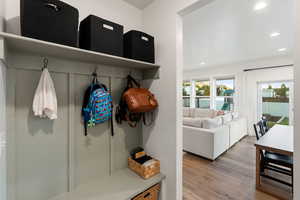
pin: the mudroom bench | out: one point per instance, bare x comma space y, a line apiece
122, 185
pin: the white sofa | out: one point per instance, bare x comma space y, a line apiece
208, 134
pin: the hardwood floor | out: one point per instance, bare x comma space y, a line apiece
230, 177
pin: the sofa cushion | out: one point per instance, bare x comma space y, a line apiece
186, 112
227, 118
210, 123
194, 122
203, 113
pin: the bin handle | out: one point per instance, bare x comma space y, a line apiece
145, 38
53, 6
106, 26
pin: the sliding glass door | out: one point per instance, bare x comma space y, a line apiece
275, 102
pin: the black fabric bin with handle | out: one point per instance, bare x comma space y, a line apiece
101, 35
50, 20
139, 46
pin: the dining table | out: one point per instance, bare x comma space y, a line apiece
279, 139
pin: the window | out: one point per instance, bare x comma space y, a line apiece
218, 94
186, 93
275, 102
225, 94
202, 91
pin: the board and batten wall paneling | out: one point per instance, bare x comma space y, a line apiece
40, 144
126, 138
47, 158
3, 132
92, 152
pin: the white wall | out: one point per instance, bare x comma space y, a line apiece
297, 105
246, 82
117, 11
1, 13
1, 26
164, 140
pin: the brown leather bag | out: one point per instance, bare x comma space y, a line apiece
139, 100
135, 103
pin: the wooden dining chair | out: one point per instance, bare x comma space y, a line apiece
279, 163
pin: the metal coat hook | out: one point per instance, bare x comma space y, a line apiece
94, 74
46, 61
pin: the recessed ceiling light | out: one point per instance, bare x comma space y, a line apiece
202, 63
260, 5
274, 34
282, 49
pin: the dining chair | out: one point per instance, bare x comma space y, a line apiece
265, 124
279, 163
259, 129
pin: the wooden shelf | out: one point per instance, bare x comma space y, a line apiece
43, 48
122, 185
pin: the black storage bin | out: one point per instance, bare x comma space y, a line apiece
100, 35
50, 20
139, 46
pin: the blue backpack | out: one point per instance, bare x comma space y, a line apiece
97, 106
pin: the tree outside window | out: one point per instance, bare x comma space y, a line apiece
202, 99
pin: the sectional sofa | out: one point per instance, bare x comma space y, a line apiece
210, 133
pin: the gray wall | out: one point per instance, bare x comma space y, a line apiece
46, 157
2, 113
2, 132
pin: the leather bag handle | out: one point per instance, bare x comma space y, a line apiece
131, 82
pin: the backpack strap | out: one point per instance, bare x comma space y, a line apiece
112, 121
85, 127
112, 126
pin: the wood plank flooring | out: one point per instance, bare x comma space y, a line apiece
230, 177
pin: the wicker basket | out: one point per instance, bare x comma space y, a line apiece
150, 194
144, 172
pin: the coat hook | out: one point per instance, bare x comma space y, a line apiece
95, 72
46, 61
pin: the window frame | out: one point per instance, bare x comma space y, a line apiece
202, 97
187, 97
213, 91
215, 96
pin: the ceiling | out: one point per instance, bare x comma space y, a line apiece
141, 4
232, 31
